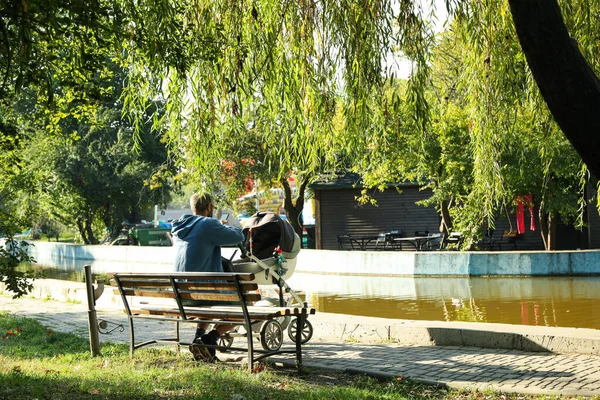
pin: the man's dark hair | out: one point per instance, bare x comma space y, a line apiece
200, 202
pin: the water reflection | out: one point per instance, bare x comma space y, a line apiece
45, 272
549, 301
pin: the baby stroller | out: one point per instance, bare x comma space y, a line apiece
269, 251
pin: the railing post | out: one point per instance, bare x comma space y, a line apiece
92, 295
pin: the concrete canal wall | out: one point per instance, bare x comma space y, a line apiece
398, 263
409, 263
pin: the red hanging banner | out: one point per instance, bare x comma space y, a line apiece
522, 201
520, 216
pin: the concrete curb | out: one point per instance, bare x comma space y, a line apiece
339, 327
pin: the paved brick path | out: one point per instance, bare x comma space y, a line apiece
502, 370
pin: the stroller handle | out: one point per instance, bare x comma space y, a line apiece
243, 250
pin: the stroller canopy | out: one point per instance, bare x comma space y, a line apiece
268, 232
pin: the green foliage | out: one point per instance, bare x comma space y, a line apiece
12, 254
303, 86
98, 175
488, 136
259, 81
59, 49
517, 148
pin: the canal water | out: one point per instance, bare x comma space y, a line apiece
541, 301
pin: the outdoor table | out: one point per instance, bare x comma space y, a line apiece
418, 242
363, 241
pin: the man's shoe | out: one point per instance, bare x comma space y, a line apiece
201, 353
211, 338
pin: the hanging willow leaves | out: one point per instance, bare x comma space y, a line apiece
309, 84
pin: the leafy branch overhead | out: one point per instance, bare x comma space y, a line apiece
308, 85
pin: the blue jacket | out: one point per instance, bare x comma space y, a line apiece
198, 240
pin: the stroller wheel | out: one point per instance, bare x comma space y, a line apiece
271, 335
225, 341
307, 331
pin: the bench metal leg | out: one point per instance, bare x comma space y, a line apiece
177, 348
299, 328
131, 338
249, 332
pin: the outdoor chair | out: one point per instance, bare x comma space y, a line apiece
380, 243
388, 239
421, 233
508, 239
435, 243
487, 243
454, 240
344, 243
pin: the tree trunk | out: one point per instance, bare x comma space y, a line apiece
551, 232
548, 228
565, 79
90, 232
543, 225
134, 215
446, 222
82, 232
294, 211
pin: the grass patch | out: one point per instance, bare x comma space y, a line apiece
36, 362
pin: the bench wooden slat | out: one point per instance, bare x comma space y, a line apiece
141, 284
246, 287
163, 294
226, 313
175, 313
169, 294
214, 296
183, 275
282, 310
137, 284
205, 314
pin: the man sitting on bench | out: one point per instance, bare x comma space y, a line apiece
197, 240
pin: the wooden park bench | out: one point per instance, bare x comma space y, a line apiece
220, 289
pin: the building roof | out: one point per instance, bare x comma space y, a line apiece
348, 180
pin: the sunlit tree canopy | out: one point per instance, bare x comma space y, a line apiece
287, 75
